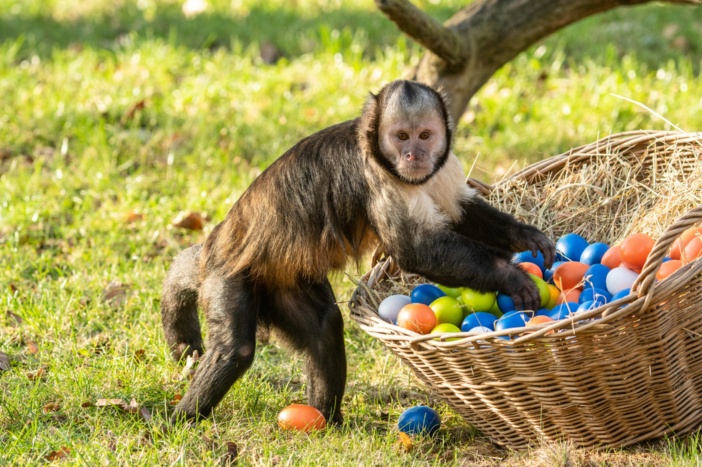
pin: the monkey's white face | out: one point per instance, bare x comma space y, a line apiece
413, 143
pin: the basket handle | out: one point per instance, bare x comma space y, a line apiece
647, 277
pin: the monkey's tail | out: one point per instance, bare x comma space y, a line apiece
179, 304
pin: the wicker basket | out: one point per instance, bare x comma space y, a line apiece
633, 374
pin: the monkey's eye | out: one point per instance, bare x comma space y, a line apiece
425, 135
402, 136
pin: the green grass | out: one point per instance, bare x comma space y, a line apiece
110, 108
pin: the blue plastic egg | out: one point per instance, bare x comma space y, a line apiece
513, 319
505, 303
596, 276
591, 293
480, 330
526, 257
548, 273
542, 312
391, 306
479, 318
426, 293
563, 310
621, 294
571, 246
419, 420
593, 253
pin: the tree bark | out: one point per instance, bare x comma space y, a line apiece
478, 40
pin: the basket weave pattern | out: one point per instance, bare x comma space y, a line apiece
631, 374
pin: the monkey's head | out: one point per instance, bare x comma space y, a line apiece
407, 129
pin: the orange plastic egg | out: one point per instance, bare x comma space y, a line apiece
531, 268
301, 417
692, 251
611, 257
539, 319
570, 275
668, 268
634, 251
417, 317
682, 241
568, 295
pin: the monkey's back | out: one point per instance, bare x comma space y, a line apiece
303, 216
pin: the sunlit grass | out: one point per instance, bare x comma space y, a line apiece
118, 115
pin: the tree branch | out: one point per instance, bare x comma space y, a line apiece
480, 38
425, 30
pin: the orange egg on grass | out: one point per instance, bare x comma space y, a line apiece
692, 251
681, 242
634, 251
301, 417
570, 275
417, 317
668, 268
611, 258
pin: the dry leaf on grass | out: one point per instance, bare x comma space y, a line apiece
5, 362
32, 348
38, 374
51, 407
59, 454
231, 454
13, 318
115, 294
405, 443
189, 221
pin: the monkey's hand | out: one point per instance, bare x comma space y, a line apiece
528, 238
521, 289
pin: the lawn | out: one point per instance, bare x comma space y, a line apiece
117, 116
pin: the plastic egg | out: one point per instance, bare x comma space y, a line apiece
447, 310
514, 319
425, 293
480, 330
591, 293
621, 294
571, 246
568, 295
593, 253
505, 303
539, 319
620, 278
445, 328
683, 240
611, 258
419, 420
391, 306
563, 310
544, 291
634, 250
570, 275
477, 301
692, 251
589, 305
454, 292
554, 294
301, 417
527, 257
542, 312
417, 317
548, 273
596, 276
668, 268
532, 269
481, 318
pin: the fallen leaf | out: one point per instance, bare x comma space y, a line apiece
145, 414
32, 348
109, 402
406, 442
189, 221
176, 399
37, 374
59, 454
231, 454
86, 404
133, 216
5, 362
13, 318
270, 54
115, 293
133, 406
131, 112
51, 407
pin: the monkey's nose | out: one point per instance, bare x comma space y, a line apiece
410, 156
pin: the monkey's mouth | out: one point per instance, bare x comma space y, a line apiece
415, 170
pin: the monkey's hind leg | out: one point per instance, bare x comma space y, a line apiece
231, 309
309, 319
179, 304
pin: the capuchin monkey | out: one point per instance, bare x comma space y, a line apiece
388, 176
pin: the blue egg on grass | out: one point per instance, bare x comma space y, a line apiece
593, 253
514, 319
596, 276
419, 420
391, 306
479, 318
563, 310
571, 246
505, 303
527, 257
426, 293
591, 293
